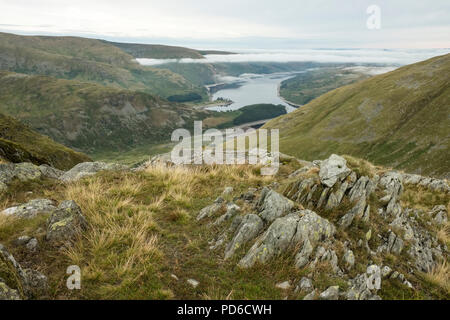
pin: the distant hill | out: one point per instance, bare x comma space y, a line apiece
90, 60
157, 51
153, 51
18, 143
91, 117
399, 119
305, 87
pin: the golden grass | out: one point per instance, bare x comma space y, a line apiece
120, 242
440, 276
424, 199
443, 234
361, 167
5, 221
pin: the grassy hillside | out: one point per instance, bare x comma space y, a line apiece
87, 60
18, 143
143, 230
258, 112
153, 51
198, 73
398, 119
90, 117
157, 51
309, 85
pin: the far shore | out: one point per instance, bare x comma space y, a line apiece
292, 104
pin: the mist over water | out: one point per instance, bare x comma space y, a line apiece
263, 88
381, 56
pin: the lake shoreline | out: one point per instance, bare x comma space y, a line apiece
292, 104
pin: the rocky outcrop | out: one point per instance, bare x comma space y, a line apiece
232, 210
50, 172
391, 244
305, 285
37, 283
31, 209
278, 238
17, 283
22, 172
439, 215
336, 182
303, 228
359, 286
271, 205
27, 171
249, 228
29, 243
85, 169
439, 185
211, 210
332, 293
275, 228
13, 280
65, 222
332, 170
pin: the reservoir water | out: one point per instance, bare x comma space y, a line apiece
253, 89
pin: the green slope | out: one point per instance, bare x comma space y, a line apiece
88, 60
18, 143
307, 86
91, 117
153, 51
258, 112
157, 51
398, 119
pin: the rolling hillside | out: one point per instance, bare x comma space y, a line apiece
88, 60
398, 119
304, 87
91, 117
154, 51
18, 143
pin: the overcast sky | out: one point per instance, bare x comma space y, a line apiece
237, 23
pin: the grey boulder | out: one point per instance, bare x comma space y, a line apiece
31, 209
50, 172
85, 169
250, 226
65, 222
332, 170
211, 210
18, 171
272, 205
332, 293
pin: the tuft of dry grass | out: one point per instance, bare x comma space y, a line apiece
421, 198
440, 276
361, 167
120, 243
5, 221
443, 234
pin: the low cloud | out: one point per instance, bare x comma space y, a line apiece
394, 57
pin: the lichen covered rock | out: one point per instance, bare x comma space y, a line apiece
332, 170
249, 227
65, 222
303, 227
31, 209
13, 280
85, 169
271, 205
17, 171
211, 210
